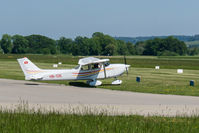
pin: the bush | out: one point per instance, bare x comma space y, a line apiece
167, 53
1, 51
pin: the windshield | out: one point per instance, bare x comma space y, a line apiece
77, 67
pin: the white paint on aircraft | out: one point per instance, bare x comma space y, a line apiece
89, 68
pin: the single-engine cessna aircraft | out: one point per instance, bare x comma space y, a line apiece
89, 68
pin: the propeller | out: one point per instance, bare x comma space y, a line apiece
126, 65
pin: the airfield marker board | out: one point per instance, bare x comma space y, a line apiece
157, 67
55, 65
180, 71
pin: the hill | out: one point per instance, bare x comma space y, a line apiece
144, 38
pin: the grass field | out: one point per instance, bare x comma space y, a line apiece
52, 122
162, 81
168, 62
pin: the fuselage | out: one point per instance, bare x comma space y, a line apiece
110, 71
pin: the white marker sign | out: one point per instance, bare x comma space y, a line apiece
55, 65
180, 71
157, 67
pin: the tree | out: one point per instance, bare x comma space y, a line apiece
174, 45
193, 51
65, 45
1, 50
131, 48
20, 44
83, 45
98, 44
152, 47
41, 44
122, 48
75, 49
140, 48
104, 40
165, 46
97, 34
110, 50
94, 47
6, 43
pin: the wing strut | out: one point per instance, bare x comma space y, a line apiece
104, 70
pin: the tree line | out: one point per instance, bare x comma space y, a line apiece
98, 44
145, 38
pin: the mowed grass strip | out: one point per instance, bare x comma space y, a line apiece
54, 122
162, 81
165, 62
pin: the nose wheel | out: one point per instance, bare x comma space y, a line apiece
117, 81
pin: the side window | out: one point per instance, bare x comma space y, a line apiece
95, 66
85, 67
106, 64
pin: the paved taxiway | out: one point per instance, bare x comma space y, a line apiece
67, 98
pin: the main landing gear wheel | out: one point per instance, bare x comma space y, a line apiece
117, 82
94, 82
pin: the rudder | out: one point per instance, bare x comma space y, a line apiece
28, 67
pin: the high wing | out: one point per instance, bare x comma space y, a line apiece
91, 60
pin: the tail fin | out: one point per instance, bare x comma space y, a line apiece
29, 69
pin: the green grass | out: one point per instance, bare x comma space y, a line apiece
54, 122
163, 81
184, 62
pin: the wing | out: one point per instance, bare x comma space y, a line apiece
91, 60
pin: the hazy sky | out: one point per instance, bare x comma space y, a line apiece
71, 18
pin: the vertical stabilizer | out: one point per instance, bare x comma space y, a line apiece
28, 68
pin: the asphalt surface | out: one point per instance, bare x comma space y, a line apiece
93, 100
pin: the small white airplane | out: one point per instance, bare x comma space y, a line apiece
89, 68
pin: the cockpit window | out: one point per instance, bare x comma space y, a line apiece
91, 66
77, 67
95, 66
85, 67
